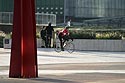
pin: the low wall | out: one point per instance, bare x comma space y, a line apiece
7, 43
99, 45
86, 44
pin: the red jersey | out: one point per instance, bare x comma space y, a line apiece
64, 32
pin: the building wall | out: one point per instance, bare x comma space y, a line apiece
96, 8
6, 5
42, 6
51, 7
77, 9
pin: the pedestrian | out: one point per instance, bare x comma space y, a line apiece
49, 32
43, 35
69, 23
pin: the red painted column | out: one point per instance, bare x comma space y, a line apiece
23, 61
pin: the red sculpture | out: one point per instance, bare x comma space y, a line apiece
23, 63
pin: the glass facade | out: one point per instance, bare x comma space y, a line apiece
77, 9
96, 8
51, 7
6, 5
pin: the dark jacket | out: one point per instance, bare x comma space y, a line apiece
49, 29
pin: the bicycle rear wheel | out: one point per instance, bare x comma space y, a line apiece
57, 47
70, 47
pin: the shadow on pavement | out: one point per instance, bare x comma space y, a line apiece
52, 80
55, 56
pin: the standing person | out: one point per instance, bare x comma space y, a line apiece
43, 35
49, 30
63, 36
69, 23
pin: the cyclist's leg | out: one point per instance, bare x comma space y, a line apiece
61, 42
65, 38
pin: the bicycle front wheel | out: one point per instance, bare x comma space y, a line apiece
70, 47
57, 47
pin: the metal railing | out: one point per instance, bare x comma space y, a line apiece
112, 21
6, 18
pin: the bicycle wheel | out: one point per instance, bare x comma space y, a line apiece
70, 47
57, 47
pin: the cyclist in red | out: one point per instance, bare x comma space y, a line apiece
63, 36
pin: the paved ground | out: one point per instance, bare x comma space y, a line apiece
78, 67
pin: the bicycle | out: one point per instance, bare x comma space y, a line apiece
68, 45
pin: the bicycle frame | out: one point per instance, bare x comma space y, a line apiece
68, 45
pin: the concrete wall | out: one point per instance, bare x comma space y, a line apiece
88, 44
99, 45
7, 43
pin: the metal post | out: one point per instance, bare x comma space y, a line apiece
23, 63
64, 11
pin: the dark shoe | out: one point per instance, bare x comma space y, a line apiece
42, 46
62, 49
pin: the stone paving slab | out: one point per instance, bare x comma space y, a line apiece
70, 78
63, 67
